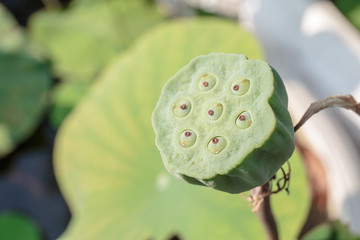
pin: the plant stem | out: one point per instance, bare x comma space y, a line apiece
317, 214
265, 214
260, 196
343, 101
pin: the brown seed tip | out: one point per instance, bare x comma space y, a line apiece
187, 134
215, 140
211, 112
205, 83
183, 106
242, 117
236, 87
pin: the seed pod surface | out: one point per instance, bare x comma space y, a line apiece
241, 132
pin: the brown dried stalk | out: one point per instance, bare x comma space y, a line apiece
256, 197
264, 212
343, 101
259, 199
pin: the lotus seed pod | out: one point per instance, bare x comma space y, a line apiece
236, 133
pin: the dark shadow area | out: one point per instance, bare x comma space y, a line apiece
27, 180
175, 237
22, 9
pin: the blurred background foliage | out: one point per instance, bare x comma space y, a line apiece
105, 63
83, 39
333, 231
25, 80
351, 10
16, 226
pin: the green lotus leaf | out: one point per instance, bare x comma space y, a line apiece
65, 96
331, 231
16, 226
81, 40
111, 172
239, 142
23, 87
24, 81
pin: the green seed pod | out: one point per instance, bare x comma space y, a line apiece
237, 133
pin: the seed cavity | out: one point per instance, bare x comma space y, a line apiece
243, 120
182, 108
240, 87
217, 144
207, 82
187, 138
215, 111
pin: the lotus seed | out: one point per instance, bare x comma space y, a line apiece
217, 144
240, 87
215, 111
187, 138
182, 108
243, 120
207, 82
